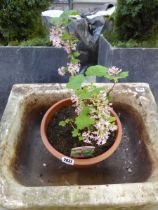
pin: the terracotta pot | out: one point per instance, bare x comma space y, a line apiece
76, 162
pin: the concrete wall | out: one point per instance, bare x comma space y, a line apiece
28, 65
84, 5
40, 64
142, 63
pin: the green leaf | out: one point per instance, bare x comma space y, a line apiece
76, 54
75, 81
111, 119
87, 94
62, 123
85, 110
109, 77
97, 70
66, 36
74, 60
75, 133
56, 21
68, 120
71, 12
64, 18
81, 138
65, 22
121, 75
83, 121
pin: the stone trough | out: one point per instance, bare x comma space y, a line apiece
30, 178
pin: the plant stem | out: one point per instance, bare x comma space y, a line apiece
72, 125
111, 89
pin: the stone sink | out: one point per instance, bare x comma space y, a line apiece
30, 178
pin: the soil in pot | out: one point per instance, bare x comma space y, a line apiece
61, 138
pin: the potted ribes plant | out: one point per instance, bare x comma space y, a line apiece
84, 129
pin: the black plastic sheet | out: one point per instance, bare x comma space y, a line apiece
88, 32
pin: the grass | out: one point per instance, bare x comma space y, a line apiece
148, 40
38, 41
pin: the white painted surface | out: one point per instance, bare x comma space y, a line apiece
102, 13
52, 13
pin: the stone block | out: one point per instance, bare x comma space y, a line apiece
28, 65
30, 178
142, 63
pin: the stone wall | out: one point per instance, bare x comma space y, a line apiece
142, 63
28, 65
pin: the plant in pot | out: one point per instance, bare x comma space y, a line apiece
84, 129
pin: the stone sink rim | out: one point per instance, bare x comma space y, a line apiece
13, 195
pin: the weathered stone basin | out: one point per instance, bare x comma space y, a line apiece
30, 178
34, 166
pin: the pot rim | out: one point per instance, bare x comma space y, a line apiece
78, 162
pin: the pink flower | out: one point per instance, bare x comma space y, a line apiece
55, 37
86, 137
67, 49
113, 128
113, 71
61, 71
102, 95
85, 134
78, 110
73, 68
74, 47
94, 133
74, 99
87, 141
